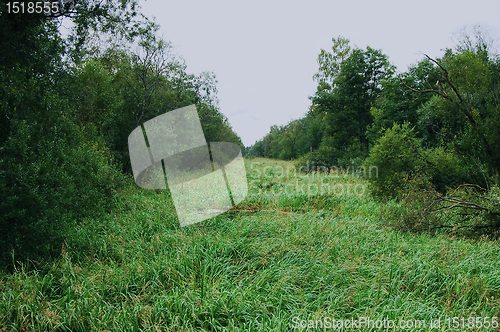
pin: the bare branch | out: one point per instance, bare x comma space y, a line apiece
442, 94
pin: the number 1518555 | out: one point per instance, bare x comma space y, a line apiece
31, 7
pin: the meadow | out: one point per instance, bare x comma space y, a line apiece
301, 251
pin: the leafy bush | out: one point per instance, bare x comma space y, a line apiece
49, 178
446, 169
397, 155
403, 164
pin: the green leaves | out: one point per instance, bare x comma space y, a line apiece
65, 116
356, 87
330, 63
396, 155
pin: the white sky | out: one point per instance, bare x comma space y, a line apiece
264, 52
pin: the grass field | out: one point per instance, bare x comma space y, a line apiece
297, 252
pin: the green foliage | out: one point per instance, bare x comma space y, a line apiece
431, 128
347, 107
463, 107
51, 174
335, 129
330, 64
398, 104
67, 108
404, 165
446, 169
216, 126
95, 19
50, 178
292, 140
398, 156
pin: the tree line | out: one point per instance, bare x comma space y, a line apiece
432, 130
67, 106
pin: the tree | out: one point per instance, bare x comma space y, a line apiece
398, 104
347, 106
449, 177
151, 65
465, 93
54, 165
330, 63
52, 173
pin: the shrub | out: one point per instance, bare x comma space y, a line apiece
397, 155
403, 163
49, 178
445, 168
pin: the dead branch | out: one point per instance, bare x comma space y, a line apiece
446, 78
467, 209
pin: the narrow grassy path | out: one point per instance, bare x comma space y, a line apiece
287, 255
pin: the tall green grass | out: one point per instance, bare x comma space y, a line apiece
280, 256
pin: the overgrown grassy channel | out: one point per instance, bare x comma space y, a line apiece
289, 254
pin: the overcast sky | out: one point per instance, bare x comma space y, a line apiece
264, 52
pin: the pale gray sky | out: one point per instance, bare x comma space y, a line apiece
264, 52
